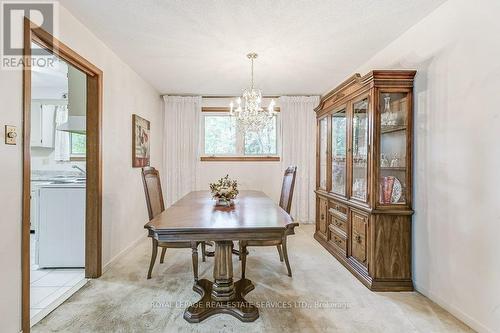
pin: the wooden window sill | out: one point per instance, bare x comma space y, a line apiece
240, 159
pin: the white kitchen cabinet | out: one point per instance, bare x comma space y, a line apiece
42, 125
61, 227
36, 124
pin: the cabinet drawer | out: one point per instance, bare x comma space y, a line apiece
339, 223
322, 217
358, 237
337, 240
339, 210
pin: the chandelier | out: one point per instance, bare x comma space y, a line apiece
249, 112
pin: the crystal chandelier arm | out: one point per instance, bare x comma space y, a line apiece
252, 75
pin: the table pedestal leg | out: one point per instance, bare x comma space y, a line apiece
223, 287
222, 296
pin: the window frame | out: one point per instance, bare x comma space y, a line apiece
240, 141
75, 156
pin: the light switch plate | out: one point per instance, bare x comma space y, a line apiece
10, 135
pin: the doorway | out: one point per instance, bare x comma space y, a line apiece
62, 150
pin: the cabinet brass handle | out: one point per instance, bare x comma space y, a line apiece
322, 216
358, 238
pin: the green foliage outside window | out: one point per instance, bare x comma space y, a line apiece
78, 144
222, 137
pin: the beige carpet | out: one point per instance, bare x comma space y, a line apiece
322, 296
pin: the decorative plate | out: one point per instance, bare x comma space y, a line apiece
397, 190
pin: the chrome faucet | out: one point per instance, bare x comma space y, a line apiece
81, 170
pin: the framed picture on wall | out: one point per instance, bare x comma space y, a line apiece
140, 142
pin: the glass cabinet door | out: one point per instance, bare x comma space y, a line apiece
360, 150
323, 146
393, 137
339, 152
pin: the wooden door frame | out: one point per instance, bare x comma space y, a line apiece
93, 204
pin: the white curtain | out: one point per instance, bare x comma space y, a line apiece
298, 126
61, 141
180, 146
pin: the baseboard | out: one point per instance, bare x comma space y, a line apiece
123, 252
52, 306
465, 318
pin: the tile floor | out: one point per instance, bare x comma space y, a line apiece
48, 285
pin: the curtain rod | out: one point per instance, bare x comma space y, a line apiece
215, 96
228, 96
212, 96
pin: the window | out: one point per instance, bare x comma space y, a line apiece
222, 139
263, 142
78, 145
220, 135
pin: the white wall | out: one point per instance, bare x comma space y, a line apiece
43, 160
262, 176
124, 209
77, 92
456, 50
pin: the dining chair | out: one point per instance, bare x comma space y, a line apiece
154, 201
285, 203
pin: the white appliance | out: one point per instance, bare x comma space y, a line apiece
61, 226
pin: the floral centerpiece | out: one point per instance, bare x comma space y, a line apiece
224, 191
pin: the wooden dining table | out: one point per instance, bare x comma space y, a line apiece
196, 218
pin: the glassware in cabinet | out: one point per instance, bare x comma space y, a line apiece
360, 149
393, 108
339, 152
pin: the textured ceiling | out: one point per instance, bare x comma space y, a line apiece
199, 46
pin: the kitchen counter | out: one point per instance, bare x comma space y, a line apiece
69, 184
57, 182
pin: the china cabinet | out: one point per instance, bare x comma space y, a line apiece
363, 183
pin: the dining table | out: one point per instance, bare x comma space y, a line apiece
197, 218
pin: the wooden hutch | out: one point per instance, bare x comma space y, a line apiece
364, 177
